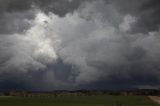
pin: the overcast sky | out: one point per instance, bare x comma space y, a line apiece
79, 44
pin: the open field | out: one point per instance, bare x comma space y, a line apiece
101, 100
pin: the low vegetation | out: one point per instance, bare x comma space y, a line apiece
75, 100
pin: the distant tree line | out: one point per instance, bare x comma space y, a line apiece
80, 93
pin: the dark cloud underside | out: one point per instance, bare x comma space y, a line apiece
79, 44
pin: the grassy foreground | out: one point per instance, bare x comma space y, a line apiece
78, 101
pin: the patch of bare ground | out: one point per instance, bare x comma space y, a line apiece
155, 99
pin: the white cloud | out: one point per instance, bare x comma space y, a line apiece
127, 22
31, 49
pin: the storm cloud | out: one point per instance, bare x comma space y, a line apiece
79, 44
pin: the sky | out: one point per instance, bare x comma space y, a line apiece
79, 44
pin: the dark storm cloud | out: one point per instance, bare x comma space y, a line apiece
121, 83
52, 78
146, 11
60, 7
12, 80
15, 14
150, 16
15, 22
14, 5
72, 44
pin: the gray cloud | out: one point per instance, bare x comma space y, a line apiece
15, 22
88, 44
15, 14
150, 15
60, 7
14, 5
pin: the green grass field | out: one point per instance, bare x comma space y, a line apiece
78, 101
